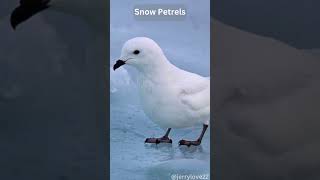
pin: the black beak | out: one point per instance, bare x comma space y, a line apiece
118, 64
27, 9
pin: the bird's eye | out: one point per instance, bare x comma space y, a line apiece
136, 52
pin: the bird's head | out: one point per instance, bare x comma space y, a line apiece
142, 53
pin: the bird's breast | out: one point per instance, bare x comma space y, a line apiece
154, 94
161, 103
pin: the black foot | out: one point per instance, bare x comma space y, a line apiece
189, 143
158, 140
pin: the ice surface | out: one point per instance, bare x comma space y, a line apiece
132, 159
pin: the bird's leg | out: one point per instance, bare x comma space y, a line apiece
163, 139
198, 141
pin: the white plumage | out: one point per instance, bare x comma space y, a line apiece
170, 96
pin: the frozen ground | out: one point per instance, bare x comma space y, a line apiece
132, 159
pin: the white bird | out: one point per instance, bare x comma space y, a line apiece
170, 96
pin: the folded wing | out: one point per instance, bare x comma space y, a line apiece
195, 93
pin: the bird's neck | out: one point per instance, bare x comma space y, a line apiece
158, 71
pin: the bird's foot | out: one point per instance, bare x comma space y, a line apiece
158, 140
189, 143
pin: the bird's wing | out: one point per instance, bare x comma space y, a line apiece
194, 92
